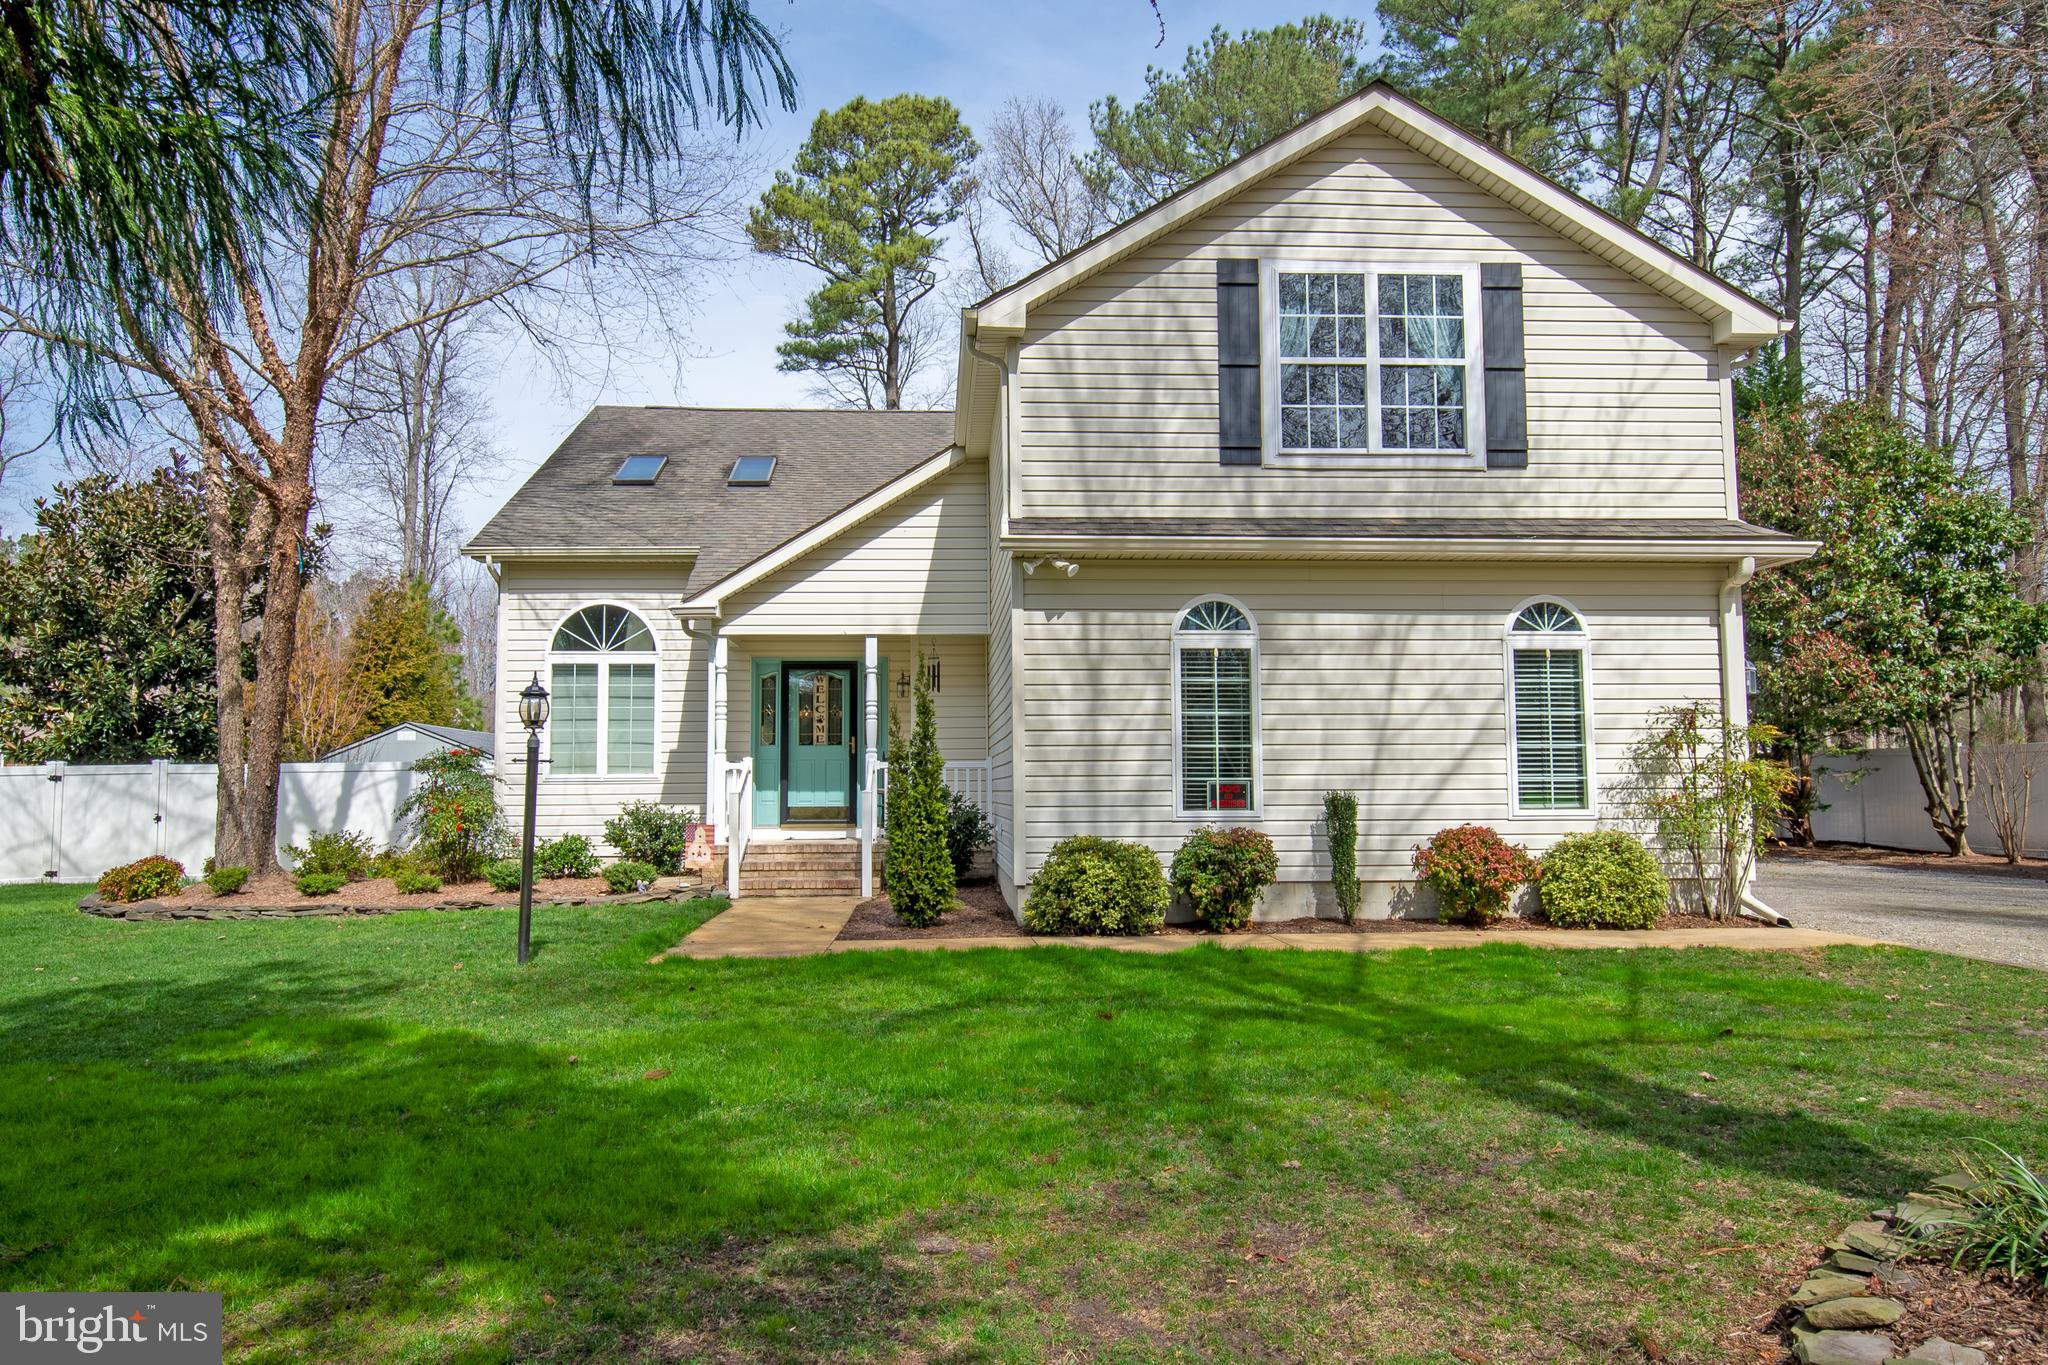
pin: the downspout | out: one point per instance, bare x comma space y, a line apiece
1735, 706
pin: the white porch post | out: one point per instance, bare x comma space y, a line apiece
714, 748
871, 712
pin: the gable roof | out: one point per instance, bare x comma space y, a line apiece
826, 459
1738, 318
450, 735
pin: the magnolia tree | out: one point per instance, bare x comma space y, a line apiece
1910, 616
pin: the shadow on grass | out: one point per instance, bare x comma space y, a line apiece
365, 1180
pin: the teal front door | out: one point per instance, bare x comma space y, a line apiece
818, 750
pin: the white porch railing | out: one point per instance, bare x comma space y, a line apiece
972, 781
739, 825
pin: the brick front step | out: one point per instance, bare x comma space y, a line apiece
776, 883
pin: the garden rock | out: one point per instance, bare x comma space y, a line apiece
1840, 1348
1854, 1312
1940, 1352
1854, 1264
1823, 1286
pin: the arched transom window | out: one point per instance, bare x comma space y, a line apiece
1549, 735
1216, 708
602, 674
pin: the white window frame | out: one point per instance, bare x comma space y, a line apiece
604, 661
1217, 639
1582, 641
1474, 453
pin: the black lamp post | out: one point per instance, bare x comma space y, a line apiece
533, 714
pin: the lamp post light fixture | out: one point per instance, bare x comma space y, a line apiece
533, 714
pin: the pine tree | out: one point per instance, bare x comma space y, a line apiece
918, 873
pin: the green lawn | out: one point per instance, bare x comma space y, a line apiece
383, 1141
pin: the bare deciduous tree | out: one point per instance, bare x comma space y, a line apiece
1029, 169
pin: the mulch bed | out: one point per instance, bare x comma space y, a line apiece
1867, 855
2005, 1319
276, 894
981, 913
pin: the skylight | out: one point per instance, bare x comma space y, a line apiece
752, 469
639, 468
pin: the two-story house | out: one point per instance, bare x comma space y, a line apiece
1374, 461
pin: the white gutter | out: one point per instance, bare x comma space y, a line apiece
1414, 547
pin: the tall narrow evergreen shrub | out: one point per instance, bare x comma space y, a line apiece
918, 873
1340, 821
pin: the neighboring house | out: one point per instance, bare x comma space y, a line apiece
408, 741
1374, 461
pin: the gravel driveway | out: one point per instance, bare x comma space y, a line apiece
2001, 919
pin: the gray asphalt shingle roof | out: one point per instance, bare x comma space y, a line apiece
826, 460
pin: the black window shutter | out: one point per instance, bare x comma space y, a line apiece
1507, 395
1237, 361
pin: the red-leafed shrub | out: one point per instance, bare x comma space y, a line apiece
1474, 873
144, 879
1222, 872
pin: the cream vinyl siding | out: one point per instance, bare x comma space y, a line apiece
1387, 679
920, 565
533, 599
1116, 378
1001, 599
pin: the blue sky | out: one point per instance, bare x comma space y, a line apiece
977, 53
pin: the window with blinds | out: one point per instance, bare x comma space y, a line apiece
1550, 729
1547, 698
602, 667
1216, 660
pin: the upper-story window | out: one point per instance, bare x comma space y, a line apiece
601, 667
1372, 360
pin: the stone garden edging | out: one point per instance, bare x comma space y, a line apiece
1837, 1308
92, 904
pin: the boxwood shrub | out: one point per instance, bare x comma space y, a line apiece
226, 881
646, 832
415, 881
1605, 879
626, 875
1092, 885
144, 879
320, 883
502, 874
568, 855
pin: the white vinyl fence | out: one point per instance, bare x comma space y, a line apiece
1886, 806
60, 822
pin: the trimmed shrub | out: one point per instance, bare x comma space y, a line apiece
622, 877
1340, 823
226, 881
144, 879
502, 874
390, 863
319, 883
1222, 872
454, 814
1605, 879
918, 873
967, 830
645, 832
1474, 873
568, 855
343, 851
413, 881
1092, 885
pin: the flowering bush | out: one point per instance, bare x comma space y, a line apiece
1474, 873
144, 879
454, 812
1222, 872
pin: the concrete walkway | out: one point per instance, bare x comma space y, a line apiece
770, 927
